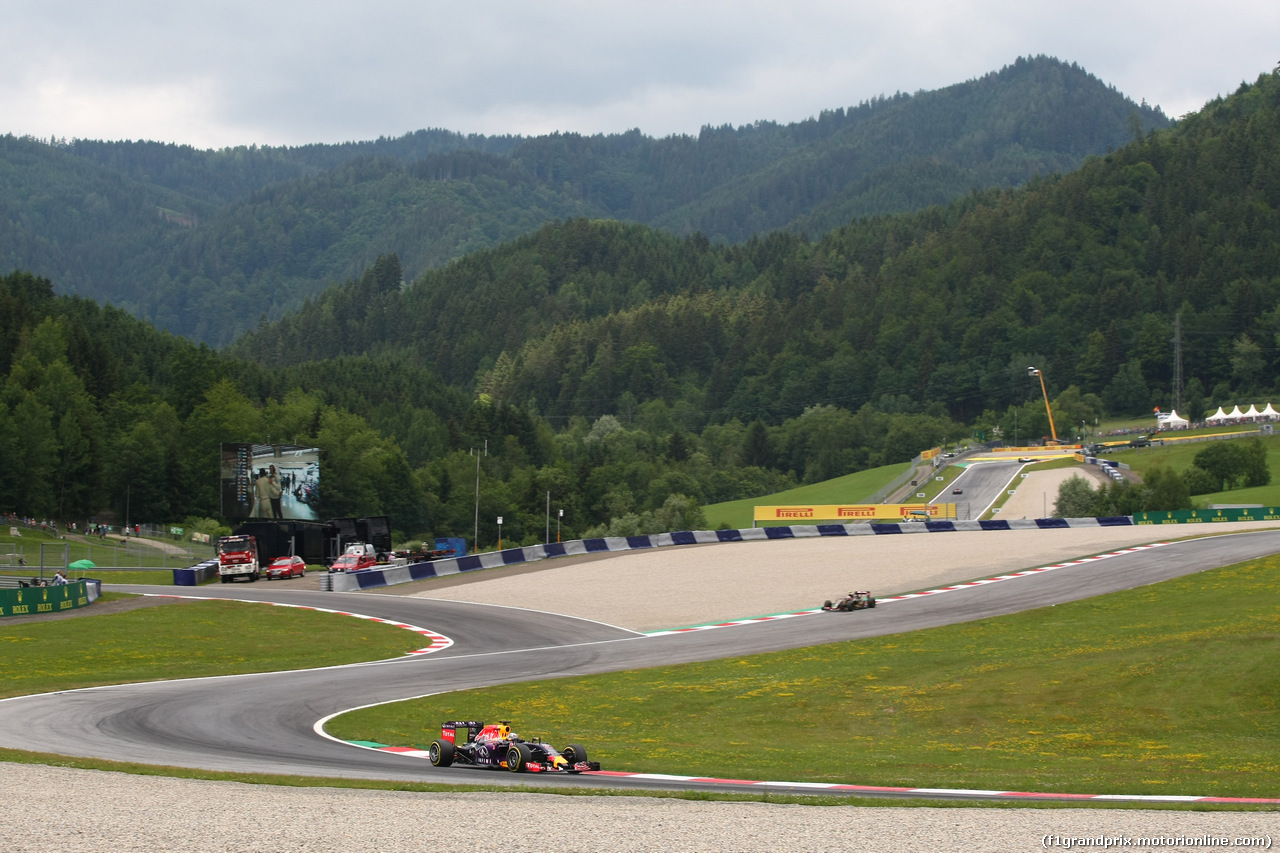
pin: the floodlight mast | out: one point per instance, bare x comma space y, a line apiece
1031, 371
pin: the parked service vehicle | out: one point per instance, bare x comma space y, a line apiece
237, 558
357, 556
497, 747
286, 567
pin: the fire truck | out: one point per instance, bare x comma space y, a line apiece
238, 558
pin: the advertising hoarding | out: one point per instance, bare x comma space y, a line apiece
854, 513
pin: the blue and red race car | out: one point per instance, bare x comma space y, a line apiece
496, 747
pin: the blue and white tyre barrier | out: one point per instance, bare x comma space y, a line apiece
391, 575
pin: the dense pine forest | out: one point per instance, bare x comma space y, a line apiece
206, 243
1083, 275
637, 374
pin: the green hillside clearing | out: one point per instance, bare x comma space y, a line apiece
851, 488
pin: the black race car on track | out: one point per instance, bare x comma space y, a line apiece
496, 747
852, 601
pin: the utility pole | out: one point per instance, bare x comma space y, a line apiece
476, 532
1177, 361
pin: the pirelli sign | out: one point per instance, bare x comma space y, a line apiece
854, 513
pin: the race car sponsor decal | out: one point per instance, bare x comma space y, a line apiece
438, 641
910, 595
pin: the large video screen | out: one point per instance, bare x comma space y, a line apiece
270, 481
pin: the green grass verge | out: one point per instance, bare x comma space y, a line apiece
935, 490
16, 756
851, 488
154, 577
1179, 457
1170, 689
114, 550
185, 640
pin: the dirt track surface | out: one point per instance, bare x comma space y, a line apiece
691, 585
114, 813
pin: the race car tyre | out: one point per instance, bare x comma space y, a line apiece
872, 603
441, 753
826, 605
574, 753
518, 756
224, 578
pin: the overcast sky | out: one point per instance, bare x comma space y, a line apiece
284, 72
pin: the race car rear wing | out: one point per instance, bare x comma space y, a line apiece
448, 731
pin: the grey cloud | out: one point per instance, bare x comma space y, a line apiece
225, 72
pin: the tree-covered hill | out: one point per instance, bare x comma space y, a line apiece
99, 410
634, 374
205, 243
1082, 275
1035, 117
231, 174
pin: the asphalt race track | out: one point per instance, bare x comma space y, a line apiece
264, 723
983, 484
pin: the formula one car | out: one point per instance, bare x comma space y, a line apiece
852, 601
496, 746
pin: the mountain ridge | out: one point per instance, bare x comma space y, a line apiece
205, 244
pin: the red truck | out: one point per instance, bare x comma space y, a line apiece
238, 558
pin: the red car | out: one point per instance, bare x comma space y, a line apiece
353, 563
286, 567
